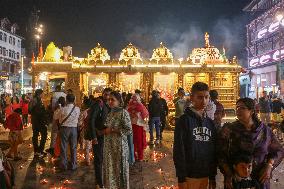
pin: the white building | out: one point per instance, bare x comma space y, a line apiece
10, 56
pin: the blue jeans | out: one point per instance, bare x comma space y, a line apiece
155, 122
68, 134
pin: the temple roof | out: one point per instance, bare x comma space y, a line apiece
52, 53
207, 55
130, 52
98, 53
162, 53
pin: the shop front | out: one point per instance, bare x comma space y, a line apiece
263, 79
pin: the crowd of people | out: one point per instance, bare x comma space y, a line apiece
114, 126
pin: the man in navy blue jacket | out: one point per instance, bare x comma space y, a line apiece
194, 150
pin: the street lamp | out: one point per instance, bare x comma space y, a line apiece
38, 34
22, 73
280, 19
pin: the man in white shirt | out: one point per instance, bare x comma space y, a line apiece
56, 95
68, 119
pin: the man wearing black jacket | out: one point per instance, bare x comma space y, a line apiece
164, 114
194, 150
99, 111
39, 122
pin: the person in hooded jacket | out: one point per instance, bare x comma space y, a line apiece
194, 150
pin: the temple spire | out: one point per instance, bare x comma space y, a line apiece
207, 41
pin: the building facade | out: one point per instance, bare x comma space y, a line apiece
10, 57
265, 47
90, 75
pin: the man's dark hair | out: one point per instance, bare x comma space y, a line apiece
38, 92
70, 98
61, 100
106, 90
58, 88
199, 86
213, 94
137, 91
180, 90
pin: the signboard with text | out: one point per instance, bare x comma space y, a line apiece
267, 58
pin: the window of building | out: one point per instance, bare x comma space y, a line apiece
18, 55
14, 41
19, 43
4, 51
12, 68
1, 36
0, 50
10, 40
5, 37
10, 53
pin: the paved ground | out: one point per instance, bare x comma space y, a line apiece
156, 172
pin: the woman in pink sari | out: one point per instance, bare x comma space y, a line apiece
139, 115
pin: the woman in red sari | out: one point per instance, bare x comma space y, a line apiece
139, 115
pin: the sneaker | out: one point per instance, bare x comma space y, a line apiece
157, 141
151, 142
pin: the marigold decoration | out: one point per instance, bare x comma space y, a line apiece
130, 53
52, 53
162, 53
98, 53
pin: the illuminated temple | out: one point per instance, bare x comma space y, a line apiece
90, 75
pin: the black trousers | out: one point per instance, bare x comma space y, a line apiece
2, 180
98, 160
42, 129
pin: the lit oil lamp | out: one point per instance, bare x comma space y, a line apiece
43, 181
67, 182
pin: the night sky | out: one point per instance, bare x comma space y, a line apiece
180, 24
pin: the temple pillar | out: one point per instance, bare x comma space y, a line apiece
147, 85
73, 83
112, 81
180, 80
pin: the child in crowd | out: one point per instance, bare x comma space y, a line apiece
242, 167
14, 124
85, 143
25, 106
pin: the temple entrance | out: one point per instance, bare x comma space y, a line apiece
167, 84
97, 83
190, 78
129, 82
